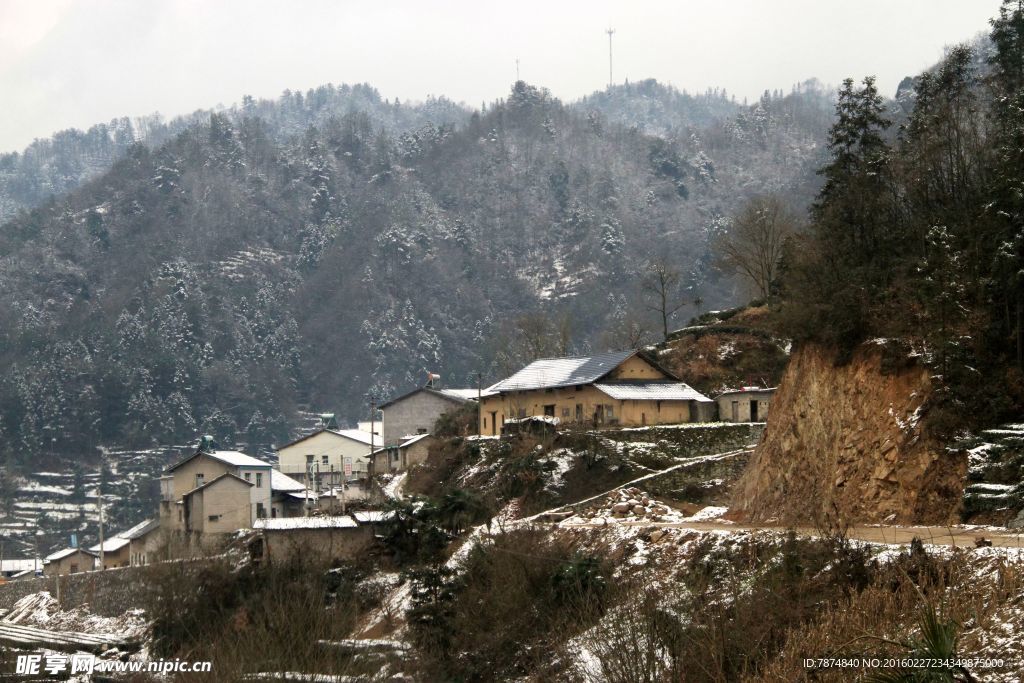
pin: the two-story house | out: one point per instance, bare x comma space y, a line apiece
214, 491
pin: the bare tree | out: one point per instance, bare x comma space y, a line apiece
660, 288
754, 244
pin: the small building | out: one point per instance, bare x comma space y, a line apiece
749, 404
412, 450
314, 539
70, 561
11, 567
288, 496
189, 477
115, 553
622, 388
144, 542
417, 411
324, 454
219, 506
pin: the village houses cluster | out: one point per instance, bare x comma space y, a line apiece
326, 484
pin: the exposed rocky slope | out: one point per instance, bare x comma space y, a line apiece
846, 444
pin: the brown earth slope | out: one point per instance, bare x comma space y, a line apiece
846, 444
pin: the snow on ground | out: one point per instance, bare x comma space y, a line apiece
393, 489
558, 462
42, 611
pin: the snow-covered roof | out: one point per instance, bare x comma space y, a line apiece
410, 439
282, 482
747, 390
373, 516
548, 373
454, 395
140, 529
233, 458
110, 545
357, 435
286, 523
651, 391
465, 394
61, 554
7, 566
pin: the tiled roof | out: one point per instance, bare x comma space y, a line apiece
651, 391
548, 373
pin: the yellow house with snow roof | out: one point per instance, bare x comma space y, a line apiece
621, 388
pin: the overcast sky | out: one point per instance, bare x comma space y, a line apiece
72, 63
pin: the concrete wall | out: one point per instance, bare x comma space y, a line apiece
109, 593
316, 545
334, 447
412, 414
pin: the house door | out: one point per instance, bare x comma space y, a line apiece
753, 411
735, 411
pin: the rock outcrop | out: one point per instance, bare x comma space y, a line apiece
846, 444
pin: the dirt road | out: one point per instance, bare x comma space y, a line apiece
931, 535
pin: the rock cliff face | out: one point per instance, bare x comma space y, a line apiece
846, 444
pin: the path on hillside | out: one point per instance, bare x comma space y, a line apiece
953, 536
901, 535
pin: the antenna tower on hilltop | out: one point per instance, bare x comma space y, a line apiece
610, 31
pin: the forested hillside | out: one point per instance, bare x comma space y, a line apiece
325, 248
56, 165
916, 235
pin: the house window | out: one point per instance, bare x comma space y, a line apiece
579, 387
260, 512
565, 412
214, 518
394, 454
579, 412
248, 476
273, 512
199, 479
324, 460
421, 431
609, 412
485, 424
259, 480
74, 568
309, 460
549, 410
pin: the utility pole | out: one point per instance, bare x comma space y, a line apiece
99, 501
479, 404
610, 31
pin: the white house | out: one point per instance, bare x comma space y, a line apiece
325, 453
